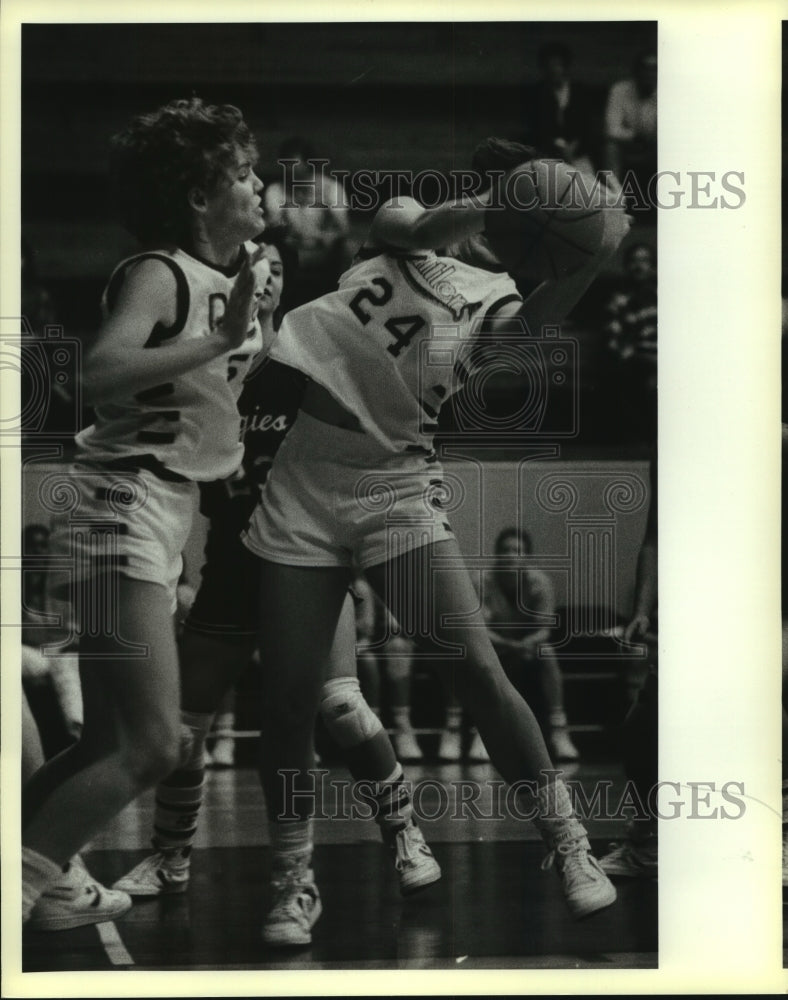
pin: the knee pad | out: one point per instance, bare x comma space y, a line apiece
347, 716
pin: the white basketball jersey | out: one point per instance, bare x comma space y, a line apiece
393, 342
189, 423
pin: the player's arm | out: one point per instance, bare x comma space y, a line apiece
552, 301
404, 223
119, 364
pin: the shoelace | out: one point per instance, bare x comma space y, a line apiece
407, 847
571, 851
289, 891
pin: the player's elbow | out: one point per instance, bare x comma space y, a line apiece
399, 223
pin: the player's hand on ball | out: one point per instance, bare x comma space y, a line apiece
236, 323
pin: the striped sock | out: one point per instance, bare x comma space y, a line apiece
179, 796
395, 809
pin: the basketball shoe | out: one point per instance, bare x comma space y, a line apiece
161, 874
586, 887
295, 910
414, 862
631, 859
76, 900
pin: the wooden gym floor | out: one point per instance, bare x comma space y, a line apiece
493, 908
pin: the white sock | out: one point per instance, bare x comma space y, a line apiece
291, 844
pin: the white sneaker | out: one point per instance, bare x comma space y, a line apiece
561, 745
76, 900
631, 860
450, 747
413, 860
477, 752
223, 753
586, 887
295, 911
161, 874
406, 746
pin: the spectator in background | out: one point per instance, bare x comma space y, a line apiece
559, 115
311, 206
630, 326
519, 605
631, 125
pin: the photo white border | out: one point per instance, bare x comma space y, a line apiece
720, 921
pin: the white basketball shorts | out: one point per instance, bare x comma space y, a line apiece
127, 522
334, 497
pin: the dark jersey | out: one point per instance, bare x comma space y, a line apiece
227, 599
268, 404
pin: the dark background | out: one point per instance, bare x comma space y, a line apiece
370, 96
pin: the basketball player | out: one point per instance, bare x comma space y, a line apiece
359, 458
637, 855
179, 333
219, 638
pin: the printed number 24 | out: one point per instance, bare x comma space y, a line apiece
402, 328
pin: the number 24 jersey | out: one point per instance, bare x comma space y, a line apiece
394, 341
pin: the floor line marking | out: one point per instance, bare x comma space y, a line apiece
113, 945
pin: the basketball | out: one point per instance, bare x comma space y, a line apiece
546, 222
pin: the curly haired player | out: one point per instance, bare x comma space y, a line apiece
180, 330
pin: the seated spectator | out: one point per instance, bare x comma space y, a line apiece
518, 600
559, 113
630, 329
312, 208
631, 126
